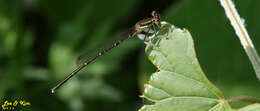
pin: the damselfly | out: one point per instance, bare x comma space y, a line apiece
141, 26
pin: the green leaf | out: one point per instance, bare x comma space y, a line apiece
179, 84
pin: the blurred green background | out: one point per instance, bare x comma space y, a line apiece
41, 39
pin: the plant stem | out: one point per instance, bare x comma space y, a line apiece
244, 98
242, 34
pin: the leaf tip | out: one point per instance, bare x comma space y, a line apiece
142, 96
146, 85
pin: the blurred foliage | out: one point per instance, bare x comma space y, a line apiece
40, 40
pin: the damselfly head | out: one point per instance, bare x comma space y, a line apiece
156, 16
